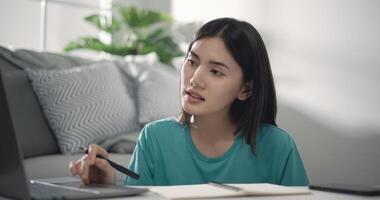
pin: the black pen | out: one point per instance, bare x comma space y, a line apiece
228, 187
115, 165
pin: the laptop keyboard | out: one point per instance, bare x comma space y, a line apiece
41, 190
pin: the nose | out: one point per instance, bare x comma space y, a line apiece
197, 78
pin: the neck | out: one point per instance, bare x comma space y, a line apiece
213, 128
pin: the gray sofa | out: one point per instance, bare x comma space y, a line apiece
42, 155
329, 154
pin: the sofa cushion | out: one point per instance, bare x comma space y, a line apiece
57, 165
31, 128
158, 93
23, 58
84, 105
125, 143
29, 59
157, 87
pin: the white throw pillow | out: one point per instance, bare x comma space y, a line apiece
157, 87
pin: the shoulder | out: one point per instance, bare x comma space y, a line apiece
166, 124
274, 137
161, 128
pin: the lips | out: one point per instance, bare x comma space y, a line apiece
194, 94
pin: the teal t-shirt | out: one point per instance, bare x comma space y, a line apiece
166, 155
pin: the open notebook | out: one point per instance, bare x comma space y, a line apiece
216, 190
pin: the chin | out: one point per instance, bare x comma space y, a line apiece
191, 110
188, 108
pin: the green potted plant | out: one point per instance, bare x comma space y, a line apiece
134, 32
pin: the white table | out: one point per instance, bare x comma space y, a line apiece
316, 195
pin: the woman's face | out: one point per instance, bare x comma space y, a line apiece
210, 79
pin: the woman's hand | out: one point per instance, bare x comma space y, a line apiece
93, 170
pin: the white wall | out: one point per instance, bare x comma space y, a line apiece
20, 21
64, 23
325, 56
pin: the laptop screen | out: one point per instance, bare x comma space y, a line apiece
12, 174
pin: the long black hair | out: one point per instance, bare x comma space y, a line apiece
247, 48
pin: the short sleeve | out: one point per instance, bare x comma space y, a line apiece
142, 160
294, 173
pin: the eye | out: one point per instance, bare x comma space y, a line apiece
216, 72
191, 62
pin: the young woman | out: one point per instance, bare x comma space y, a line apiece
226, 131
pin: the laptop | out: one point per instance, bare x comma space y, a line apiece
366, 190
14, 183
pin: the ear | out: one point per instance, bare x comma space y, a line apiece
246, 91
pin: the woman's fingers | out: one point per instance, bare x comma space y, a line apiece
84, 169
90, 169
73, 167
94, 150
102, 165
108, 173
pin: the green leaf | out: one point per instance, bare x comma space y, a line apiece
96, 44
104, 24
85, 43
135, 17
134, 31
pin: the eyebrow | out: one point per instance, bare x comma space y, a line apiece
192, 53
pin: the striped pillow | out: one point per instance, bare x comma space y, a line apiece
85, 104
